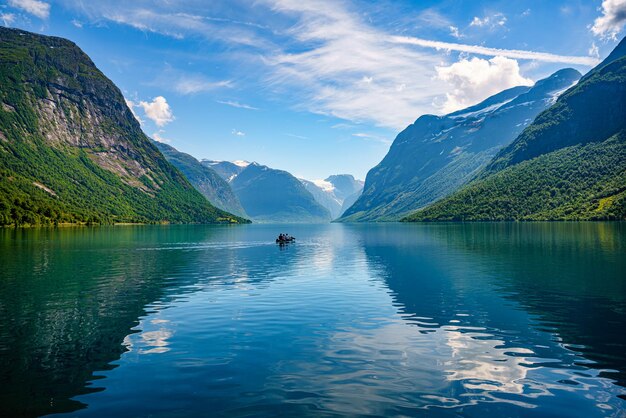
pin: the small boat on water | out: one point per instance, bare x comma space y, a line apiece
285, 239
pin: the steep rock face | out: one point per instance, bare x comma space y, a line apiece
204, 179
437, 154
350, 200
71, 150
570, 164
270, 195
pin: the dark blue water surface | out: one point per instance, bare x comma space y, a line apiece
474, 320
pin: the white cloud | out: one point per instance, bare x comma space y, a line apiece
198, 84
454, 31
613, 18
476, 79
492, 21
157, 137
594, 51
482, 50
478, 21
324, 185
7, 18
237, 132
158, 111
237, 104
77, 23
131, 105
35, 7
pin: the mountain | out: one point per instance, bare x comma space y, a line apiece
350, 200
270, 195
345, 185
437, 154
324, 197
71, 150
204, 179
569, 164
226, 169
333, 192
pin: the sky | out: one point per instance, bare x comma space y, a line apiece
317, 87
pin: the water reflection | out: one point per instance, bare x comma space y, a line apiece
531, 316
382, 320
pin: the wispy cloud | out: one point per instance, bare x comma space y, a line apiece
613, 18
7, 18
343, 125
166, 20
237, 132
237, 104
297, 136
433, 18
348, 69
198, 84
482, 50
322, 55
372, 137
35, 7
186, 83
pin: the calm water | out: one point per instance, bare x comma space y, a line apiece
352, 320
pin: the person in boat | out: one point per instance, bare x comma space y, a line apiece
284, 238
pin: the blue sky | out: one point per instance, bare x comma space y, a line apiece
317, 87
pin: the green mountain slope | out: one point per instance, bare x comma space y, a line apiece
71, 150
438, 154
204, 179
570, 164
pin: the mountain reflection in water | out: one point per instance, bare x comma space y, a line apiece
392, 319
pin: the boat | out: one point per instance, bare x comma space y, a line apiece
285, 240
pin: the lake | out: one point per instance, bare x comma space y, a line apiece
437, 320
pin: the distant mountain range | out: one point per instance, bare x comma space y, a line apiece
71, 150
569, 164
206, 180
270, 195
438, 154
336, 193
